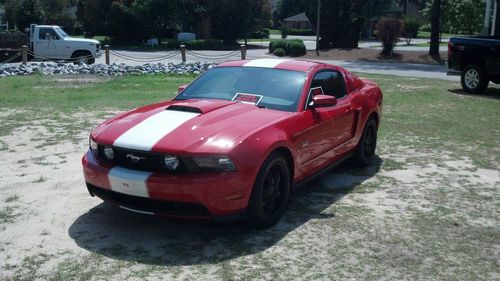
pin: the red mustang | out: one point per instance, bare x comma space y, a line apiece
233, 142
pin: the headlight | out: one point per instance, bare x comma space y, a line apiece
215, 163
108, 152
171, 162
93, 145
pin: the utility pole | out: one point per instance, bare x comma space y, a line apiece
318, 21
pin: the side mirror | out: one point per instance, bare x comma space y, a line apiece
322, 101
181, 88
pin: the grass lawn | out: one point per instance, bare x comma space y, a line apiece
427, 34
427, 44
428, 208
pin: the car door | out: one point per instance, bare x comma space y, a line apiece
48, 44
328, 127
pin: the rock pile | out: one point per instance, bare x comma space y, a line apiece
49, 68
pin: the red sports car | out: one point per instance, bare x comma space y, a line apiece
235, 141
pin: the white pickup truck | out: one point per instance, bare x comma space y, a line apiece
52, 42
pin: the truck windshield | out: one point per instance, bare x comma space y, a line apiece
62, 32
264, 87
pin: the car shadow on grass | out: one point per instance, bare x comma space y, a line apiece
122, 235
490, 93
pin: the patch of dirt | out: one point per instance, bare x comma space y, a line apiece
365, 54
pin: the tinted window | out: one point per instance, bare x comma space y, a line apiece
274, 88
331, 82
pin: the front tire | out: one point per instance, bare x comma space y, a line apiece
474, 79
82, 57
365, 150
270, 193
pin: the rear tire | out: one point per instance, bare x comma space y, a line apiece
365, 150
270, 193
473, 79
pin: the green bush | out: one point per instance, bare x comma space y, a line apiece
301, 32
275, 44
262, 34
411, 27
293, 48
279, 52
284, 32
204, 44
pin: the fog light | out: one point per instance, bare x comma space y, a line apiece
171, 162
109, 153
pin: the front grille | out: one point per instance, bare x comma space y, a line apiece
148, 161
158, 207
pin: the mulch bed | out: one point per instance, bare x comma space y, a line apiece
421, 57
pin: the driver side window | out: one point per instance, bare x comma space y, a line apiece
331, 82
47, 34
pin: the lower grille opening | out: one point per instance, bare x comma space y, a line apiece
158, 207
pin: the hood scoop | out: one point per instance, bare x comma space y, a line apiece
184, 108
199, 106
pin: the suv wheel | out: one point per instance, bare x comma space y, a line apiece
474, 79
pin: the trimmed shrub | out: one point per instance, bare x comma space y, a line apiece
388, 32
301, 32
262, 34
411, 27
275, 44
295, 48
284, 32
204, 44
279, 52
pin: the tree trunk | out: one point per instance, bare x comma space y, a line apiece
436, 13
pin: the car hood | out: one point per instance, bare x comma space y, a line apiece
186, 127
82, 40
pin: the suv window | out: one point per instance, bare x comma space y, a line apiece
47, 34
331, 82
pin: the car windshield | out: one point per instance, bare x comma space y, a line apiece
265, 87
61, 32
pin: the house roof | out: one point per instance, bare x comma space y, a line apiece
299, 17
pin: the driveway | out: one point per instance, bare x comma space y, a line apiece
399, 69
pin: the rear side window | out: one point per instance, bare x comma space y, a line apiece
331, 82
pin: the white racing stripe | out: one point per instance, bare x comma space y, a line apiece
129, 182
147, 133
269, 63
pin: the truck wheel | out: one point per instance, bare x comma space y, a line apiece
474, 79
270, 193
82, 56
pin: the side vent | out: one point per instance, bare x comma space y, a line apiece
184, 108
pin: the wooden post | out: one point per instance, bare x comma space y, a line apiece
24, 54
183, 53
243, 49
106, 53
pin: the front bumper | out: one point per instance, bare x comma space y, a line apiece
201, 196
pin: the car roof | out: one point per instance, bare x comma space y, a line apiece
285, 64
